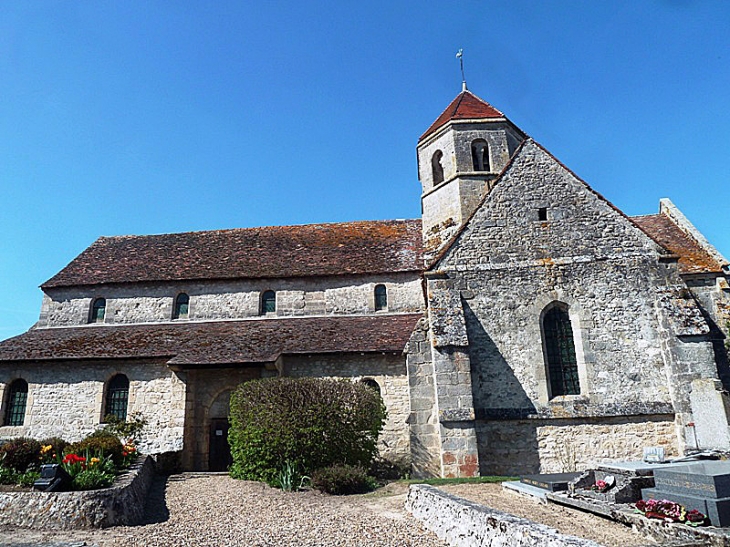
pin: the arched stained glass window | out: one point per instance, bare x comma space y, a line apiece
16, 401
560, 352
268, 302
98, 310
381, 298
437, 168
182, 305
117, 397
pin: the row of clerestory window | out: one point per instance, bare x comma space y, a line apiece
480, 160
181, 307
116, 399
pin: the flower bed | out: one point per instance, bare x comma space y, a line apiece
120, 504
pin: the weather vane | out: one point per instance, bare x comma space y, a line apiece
460, 56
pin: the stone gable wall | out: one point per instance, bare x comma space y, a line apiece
627, 305
212, 300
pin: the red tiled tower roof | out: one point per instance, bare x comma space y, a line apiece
466, 106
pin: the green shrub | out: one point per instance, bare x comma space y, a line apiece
8, 475
92, 478
124, 429
20, 454
343, 479
99, 442
27, 478
309, 423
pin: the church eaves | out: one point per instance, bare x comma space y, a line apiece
368, 247
216, 342
466, 106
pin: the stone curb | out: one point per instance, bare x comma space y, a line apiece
466, 524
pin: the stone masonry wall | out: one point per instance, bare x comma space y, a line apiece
523, 447
425, 437
389, 371
463, 523
211, 300
625, 308
67, 400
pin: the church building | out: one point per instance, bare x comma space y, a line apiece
524, 324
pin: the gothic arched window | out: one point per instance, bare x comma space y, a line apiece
98, 310
381, 298
268, 302
15, 405
480, 155
437, 168
560, 352
117, 397
182, 305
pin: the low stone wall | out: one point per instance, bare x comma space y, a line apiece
465, 524
121, 503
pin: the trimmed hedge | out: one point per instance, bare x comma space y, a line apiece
307, 423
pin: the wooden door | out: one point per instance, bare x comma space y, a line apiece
219, 454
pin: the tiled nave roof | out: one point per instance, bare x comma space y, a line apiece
269, 252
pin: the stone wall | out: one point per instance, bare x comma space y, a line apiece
67, 400
121, 504
462, 523
639, 340
389, 371
523, 447
208, 398
211, 300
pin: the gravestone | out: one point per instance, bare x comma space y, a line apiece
704, 486
552, 482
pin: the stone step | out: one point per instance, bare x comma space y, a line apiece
526, 490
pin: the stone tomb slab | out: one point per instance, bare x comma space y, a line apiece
704, 486
552, 482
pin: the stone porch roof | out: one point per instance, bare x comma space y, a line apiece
466, 106
368, 247
693, 258
215, 343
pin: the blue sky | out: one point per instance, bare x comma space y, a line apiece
151, 117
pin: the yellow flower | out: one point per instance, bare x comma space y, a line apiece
46, 448
95, 461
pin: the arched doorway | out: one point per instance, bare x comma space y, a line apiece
219, 452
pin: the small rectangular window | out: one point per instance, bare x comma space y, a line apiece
542, 213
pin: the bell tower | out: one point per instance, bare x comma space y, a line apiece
459, 157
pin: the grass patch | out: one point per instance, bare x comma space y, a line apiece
462, 480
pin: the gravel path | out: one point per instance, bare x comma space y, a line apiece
215, 510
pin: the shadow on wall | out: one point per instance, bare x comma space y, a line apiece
498, 399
